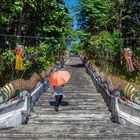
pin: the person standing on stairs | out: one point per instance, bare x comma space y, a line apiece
58, 94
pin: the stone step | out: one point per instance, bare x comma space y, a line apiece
80, 123
77, 91
71, 104
98, 128
74, 99
81, 101
76, 94
69, 136
73, 107
67, 121
68, 111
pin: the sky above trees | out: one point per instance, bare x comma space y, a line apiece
71, 4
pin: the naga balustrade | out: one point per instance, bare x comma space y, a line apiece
17, 111
123, 112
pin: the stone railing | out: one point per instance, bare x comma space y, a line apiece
123, 112
17, 111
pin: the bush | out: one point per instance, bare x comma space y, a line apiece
35, 59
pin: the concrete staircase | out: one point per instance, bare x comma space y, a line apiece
85, 118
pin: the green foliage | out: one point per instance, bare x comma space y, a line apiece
44, 27
8, 58
105, 46
35, 20
106, 27
137, 52
75, 48
93, 15
38, 57
7, 66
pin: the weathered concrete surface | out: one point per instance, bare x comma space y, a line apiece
85, 118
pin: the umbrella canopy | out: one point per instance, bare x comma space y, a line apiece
59, 78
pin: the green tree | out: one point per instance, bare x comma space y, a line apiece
106, 27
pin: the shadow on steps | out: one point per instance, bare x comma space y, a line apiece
52, 103
77, 65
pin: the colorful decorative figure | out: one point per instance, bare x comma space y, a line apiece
8, 92
19, 50
128, 54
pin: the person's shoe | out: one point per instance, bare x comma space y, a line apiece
56, 108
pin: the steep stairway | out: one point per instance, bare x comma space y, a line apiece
85, 117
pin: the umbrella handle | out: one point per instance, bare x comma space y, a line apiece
57, 69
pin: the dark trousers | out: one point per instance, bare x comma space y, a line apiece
58, 99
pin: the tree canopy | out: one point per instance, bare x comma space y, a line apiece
32, 21
43, 27
106, 27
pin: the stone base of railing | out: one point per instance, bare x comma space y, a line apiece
16, 111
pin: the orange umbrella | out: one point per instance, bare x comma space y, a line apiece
59, 78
